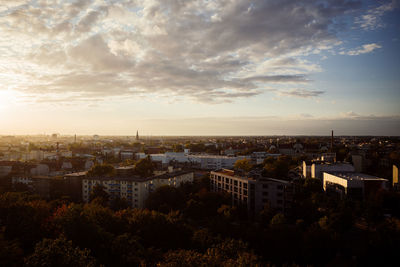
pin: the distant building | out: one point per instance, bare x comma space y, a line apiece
5, 168
40, 170
126, 154
132, 188
259, 157
358, 162
202, 161
254, 193
73, 185
137, 135
45, 186
351, 184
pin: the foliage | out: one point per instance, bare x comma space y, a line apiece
144, 167
191, 226
243, 164
99, 195
104, 170
165, 199
59, 252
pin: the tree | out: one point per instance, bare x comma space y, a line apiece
99, 194
144, 167
59, 252
104, 170
10, 253
165, 199
278, 219
243, 164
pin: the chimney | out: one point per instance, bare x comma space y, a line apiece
332, 142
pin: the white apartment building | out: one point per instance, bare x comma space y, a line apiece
203, 161
254, 193
134, 189
352, 184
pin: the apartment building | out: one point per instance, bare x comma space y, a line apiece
133, 188
253, 192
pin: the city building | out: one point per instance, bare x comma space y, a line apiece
317, 168
253, 192
352, 184
133, 188
45, 186
202, 161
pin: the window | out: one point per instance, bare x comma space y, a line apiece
265, 186
244, 185
280, 187
265, 193
245, 192
279, 201
235, 182
279, 194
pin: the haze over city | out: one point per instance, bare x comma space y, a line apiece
200, 67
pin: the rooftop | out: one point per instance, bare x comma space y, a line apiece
357, 176
141, 179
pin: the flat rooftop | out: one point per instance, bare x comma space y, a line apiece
140, 179
357, 176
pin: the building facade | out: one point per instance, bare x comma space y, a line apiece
255, 193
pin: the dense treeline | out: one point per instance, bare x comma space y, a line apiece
190, 226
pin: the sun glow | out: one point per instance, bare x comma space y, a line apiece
7, 98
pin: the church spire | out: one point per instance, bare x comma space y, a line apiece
137, 135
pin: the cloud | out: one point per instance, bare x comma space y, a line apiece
302, 93
373, 18
207, 51
365, 49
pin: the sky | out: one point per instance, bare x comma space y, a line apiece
201, 67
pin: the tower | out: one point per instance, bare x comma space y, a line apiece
137, 135
332, 142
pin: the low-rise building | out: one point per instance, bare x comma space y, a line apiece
253, 192
352, 184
